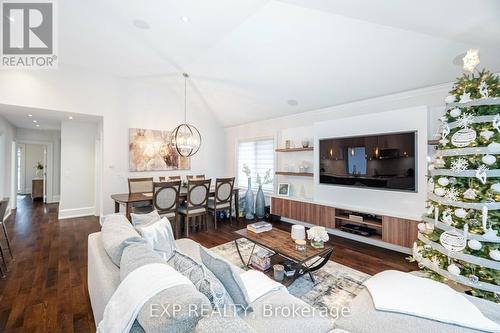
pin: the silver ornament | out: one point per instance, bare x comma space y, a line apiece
489, 159
487, 134
470, 194
473, 279
456, 112
474, 244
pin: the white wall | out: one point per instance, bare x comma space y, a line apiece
78, 174
7, 134
32, 154
121, 104
301, 125
25, 135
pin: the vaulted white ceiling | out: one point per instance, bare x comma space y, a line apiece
248, 58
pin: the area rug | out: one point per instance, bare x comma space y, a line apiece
335, 286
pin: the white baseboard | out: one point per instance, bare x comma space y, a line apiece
76, 212
7, 213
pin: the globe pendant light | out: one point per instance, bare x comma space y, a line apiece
186, 138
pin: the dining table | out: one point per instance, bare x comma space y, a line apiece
128, 199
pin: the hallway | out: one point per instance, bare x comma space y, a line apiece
45, 289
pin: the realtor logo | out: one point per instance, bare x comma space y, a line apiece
28, 34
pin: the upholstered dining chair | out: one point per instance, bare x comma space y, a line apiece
195, 177
166, 201
3, 208
223, 198
196, 204
141, 185
170, 178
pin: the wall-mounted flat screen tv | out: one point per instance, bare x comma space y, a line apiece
385, 161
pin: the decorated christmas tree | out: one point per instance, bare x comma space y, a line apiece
458, 239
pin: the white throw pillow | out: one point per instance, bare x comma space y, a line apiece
160, 236
143, 219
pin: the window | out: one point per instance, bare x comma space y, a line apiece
258, 155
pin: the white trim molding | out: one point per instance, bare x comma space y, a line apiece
76, 212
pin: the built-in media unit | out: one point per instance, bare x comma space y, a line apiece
382, 161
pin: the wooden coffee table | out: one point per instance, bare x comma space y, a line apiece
282, 246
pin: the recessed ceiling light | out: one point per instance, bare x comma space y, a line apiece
141, 24
70, 117
292, 102
185, 18
37, 125
30, 115
35, 121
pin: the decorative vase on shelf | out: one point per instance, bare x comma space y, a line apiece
249, 201
260, 203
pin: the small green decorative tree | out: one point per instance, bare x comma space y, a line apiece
459, 237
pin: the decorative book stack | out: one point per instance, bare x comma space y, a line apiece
261, 260
259, 227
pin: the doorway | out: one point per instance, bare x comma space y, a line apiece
33, 166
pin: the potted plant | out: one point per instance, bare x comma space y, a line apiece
318, 236
260, 200
39, 169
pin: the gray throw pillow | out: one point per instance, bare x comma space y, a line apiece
141, 219
115, 231
229, 277
173, 310
204, 280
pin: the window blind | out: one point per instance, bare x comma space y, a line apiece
258, 155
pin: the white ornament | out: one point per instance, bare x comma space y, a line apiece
452, 194
487, 134
496, 123
430, 167
430, 186
495, 187
465, 98
495, 255
443, 181
471, 60
421, 227
459, 165
465, 120
483, 89
491, 235
445, 131
439, 191
450, 99
456, 112
474, 244
494, 147
481, 174
453, 269
447, 219
439, 163
489, 159
463, 138
460, 213
469, 194
453, 240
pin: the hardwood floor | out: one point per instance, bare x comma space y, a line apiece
46, 287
